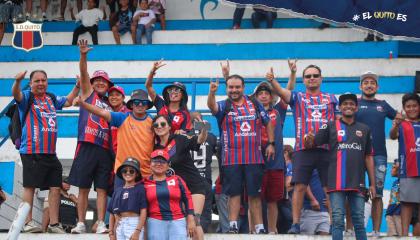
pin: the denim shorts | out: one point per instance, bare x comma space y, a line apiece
166, 229
126, 227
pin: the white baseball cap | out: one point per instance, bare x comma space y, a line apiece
369, 74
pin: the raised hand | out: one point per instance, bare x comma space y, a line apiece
225, 68
292, 65
157, 65
83, 46
270, 75
214, 85
20, 76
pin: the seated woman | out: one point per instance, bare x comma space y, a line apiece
159, 7
128, 206
168, 200
179, 147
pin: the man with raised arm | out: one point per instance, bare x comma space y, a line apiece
311, 109
41, 167
93, 158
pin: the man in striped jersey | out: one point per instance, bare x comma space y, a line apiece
311, 109
41, 168
350, 156
240, 122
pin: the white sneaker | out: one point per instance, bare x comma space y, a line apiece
56, 229
31, 227
101, 228
80, 228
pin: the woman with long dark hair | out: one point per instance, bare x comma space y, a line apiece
179, 147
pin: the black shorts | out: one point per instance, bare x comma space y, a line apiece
92, 163
41, 170
196, 186
236, 178
305, 161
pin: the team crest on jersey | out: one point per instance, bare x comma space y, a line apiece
325, 101
341, 133
125, 195
324, 126
27, 36
359, 133
379, 108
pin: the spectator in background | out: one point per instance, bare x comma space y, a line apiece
41, 167
172, 103
115, 6
393, 211
63, 5
3, 197
159, 8
238, 15
121, 22
10, 11
222, 208
202, 160
166, 195
285, 207
144, 18
373, 112
67, 210
261, 14
314, 219
89, 19
408, 132
44, 5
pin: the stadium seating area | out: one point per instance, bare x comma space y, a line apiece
192, 49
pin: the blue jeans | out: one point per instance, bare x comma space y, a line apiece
166, 229
141, 29
357, 206
380, 172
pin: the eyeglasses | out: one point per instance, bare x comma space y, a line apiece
128, 171
137, 102
174, 90
312, 75
162, 125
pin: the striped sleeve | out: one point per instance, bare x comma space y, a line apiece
186, 196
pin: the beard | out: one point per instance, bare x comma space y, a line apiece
371, 95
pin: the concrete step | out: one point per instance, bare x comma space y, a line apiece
214, 36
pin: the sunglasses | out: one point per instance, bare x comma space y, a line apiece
162, 125
159, 161
312, 75
137, 102
128, 171
174, 90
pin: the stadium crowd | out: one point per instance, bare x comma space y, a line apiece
152, 174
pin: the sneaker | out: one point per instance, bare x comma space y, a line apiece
101, 228
295, 229
80, 228
233, 230
31, 227
349, 233
375, 234
57, 228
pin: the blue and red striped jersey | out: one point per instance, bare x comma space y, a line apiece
92, 128
181, 119
39, 133
350, 144
241, 132
169, 199
310, 112
409, 149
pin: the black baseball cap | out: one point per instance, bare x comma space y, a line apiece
347, 96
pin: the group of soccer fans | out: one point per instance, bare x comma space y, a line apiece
147, 163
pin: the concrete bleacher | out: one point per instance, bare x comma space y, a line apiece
192, 48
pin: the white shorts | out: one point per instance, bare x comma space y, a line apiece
314, 222
126, 227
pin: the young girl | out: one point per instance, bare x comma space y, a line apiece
128, 206
145, 19
408, 133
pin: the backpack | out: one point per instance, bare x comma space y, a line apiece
228, 107
15, 126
